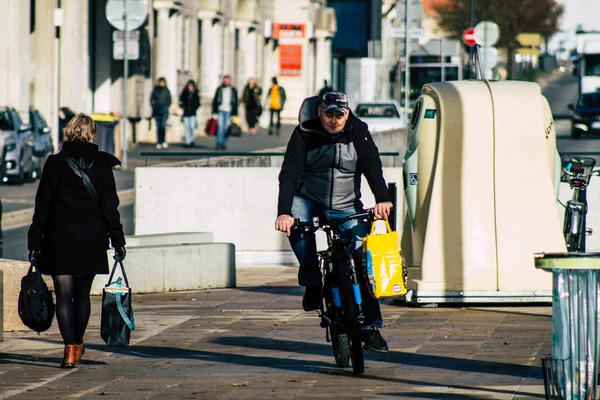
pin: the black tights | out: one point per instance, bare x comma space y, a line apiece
72, 305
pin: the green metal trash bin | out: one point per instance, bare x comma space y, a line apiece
572, 370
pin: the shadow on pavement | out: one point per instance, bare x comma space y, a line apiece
408, 359
51, 362
459, 396
320, 367
279, 290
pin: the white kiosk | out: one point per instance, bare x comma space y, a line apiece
481, 182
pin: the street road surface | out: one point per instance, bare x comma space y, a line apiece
21, 197
559, 93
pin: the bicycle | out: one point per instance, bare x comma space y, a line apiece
577, 171
341, 310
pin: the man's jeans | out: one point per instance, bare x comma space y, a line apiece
189, 124
161, 129
223, 121
305, 249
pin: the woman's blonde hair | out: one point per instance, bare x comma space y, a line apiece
81, 128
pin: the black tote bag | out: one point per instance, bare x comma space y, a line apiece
117, 313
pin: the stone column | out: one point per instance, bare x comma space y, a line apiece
248, 51
211, 53
323, 57
74, 56
165, 44
15, 60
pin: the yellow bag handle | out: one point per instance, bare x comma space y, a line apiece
387, 226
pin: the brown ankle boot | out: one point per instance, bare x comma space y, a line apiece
69, 359
79, 352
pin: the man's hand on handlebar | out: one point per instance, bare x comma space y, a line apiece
284, 223
383, 210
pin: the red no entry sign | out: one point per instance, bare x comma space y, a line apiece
468, 37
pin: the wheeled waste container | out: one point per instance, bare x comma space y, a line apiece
571, 372
105, 136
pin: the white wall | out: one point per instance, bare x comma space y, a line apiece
239, 205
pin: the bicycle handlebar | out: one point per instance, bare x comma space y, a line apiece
594, 172
322, 221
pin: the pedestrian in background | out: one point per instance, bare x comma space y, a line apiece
189, 101
224, 106
251, 101
277, 96
70, 231
160, 100
326, 89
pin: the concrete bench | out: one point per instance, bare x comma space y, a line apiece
175, 267
10, 285
164, 239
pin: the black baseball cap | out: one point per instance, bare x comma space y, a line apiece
335, 101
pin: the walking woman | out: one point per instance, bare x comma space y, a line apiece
71, 227
189, 101
251, 101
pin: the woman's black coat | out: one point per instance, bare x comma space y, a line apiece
69, 228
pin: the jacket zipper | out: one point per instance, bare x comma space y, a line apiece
332, 175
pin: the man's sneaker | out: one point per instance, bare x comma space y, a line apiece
311, 300
159, 146
165, 145
374, 341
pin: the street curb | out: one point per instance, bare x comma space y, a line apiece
21, 218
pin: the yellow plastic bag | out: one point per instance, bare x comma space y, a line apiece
384, 263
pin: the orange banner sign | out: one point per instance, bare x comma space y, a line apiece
289, 31
290, 59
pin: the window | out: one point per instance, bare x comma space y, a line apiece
377, 111
6, 123
591, 100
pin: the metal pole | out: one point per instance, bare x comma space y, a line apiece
472, 21
407, 65
125, 76
56, 80
442, 59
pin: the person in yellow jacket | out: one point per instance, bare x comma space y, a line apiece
276, 95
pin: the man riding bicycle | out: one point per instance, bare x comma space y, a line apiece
321, 175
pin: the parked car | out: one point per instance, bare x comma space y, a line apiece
42, 141
585, 114
16, 142
381, 115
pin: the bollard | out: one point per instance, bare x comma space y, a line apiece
571, 371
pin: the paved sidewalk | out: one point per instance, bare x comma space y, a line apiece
254, 342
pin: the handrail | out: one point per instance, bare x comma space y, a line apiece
213, 154
232, 153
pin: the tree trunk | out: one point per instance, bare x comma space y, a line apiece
510, 62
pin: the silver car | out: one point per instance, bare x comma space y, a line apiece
16, 142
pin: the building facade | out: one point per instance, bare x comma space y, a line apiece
64, 56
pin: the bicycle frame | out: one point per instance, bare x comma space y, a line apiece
574, 226
335, 261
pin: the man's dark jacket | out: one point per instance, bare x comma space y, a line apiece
218, 99
71, 229
327, 168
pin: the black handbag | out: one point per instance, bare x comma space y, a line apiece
36, 306
117, 320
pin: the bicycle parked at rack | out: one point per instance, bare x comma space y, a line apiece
577, 171
341, 309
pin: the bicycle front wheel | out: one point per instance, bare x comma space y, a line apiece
358, 360
341, 349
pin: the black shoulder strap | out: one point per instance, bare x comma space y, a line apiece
89, 186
